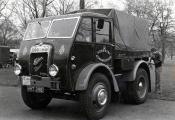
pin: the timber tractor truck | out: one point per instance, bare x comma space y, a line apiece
88, 56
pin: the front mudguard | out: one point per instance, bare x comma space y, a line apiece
84, 76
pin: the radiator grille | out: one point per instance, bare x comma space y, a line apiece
38, 64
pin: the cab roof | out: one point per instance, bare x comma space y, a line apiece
85, 13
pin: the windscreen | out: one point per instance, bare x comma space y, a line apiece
37, 30
63, 28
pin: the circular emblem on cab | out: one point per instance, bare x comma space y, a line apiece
61, 50
24, 51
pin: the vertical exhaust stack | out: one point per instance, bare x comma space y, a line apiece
82, 4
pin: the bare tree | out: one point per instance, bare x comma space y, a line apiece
8, 31
159, 13
60, 7
3, 4
31, 9
22, 12
37, 8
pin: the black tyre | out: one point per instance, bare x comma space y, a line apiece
95, 100
137, 91
34, 100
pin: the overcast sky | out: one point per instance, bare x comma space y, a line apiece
117, 4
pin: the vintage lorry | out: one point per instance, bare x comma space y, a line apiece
88, 56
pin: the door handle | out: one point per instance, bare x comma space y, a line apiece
112, 45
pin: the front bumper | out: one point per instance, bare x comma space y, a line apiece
45, 82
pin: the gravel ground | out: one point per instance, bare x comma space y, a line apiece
7, 77
13, 108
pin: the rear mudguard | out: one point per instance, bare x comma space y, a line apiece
148, 66
131, 75
85, 74
137, 65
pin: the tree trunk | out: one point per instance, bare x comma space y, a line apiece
163, 38
171, 51
163, 48
82, 4
4, 41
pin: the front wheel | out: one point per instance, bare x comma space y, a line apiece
34, 100
137, 91
96, 98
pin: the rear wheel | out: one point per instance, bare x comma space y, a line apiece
34, 100
96, 98
137, 90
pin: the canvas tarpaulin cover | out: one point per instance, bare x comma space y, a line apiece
133, 31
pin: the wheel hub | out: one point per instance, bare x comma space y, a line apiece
142, 87
102, 97
140, 84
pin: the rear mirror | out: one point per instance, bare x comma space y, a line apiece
100, 24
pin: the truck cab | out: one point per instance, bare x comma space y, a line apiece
76, 57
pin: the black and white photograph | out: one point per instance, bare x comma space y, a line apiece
87, 59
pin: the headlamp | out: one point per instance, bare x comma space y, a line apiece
53, 70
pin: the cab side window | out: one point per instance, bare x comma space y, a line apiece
103, 32
84, 33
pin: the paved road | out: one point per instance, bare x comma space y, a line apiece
12, 108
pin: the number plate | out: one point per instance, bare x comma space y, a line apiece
35, 89
26, 80
40, 49
39, 90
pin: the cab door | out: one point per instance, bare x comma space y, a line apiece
83, 47
103, 41
82, 52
